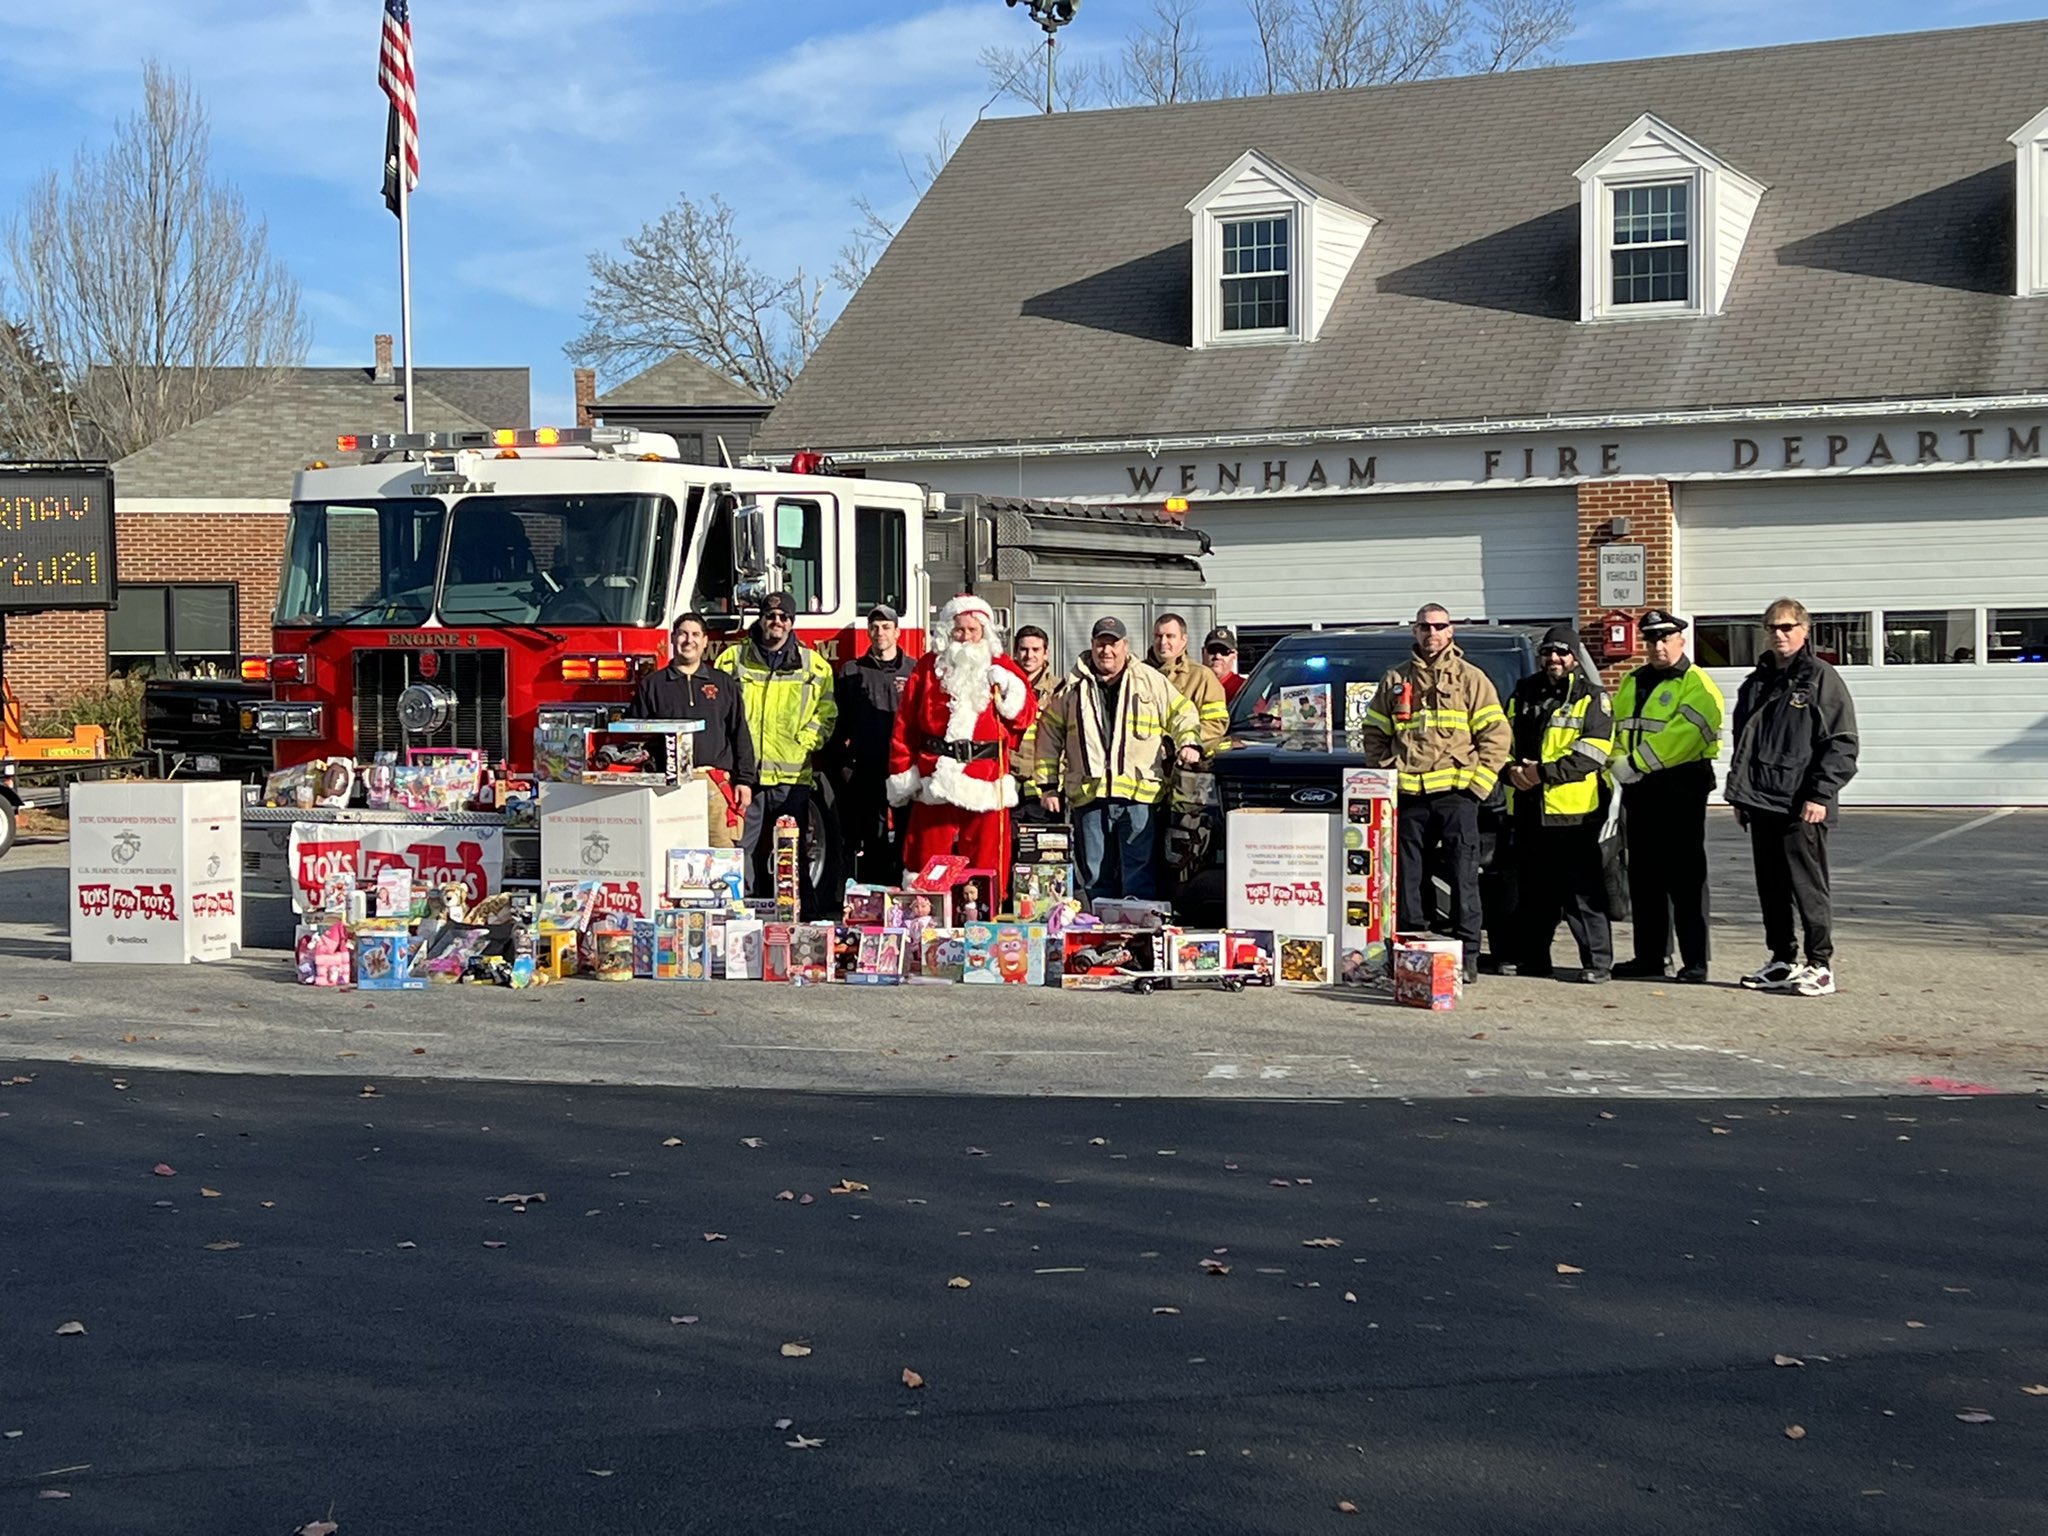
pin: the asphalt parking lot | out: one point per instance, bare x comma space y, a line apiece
1942, 918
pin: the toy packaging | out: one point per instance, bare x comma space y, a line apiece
1428, 972
862, 907
336, 782
1251, 949
1051, 843
292, 788
613, 949
973, 899
642, 929
325, 956
942, 955
1368, 874
1125, 912
878, 959
914, 911
696, 944
743, 949
707, 874
778, 941
1304, 959
1193, 956
788, 867
394, 892
812, 952
558, 753
1035, 889
1095, 959
555, 952
639, 752
567, 906
1007, 954
941, 872
384, 963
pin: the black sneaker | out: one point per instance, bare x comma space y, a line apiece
1471, 972
1693, 975
1641, 970
1771, 976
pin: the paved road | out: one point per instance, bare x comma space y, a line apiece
1942, 928
391, 1343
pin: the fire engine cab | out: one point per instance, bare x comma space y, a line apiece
461, 589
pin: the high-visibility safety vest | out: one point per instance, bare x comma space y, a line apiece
790, 712
1580, 727
1675, 722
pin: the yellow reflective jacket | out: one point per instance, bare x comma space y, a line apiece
1024, 761
1203, 689
1578, 735
1447, 731
790, 710
1126, 752
1664, 719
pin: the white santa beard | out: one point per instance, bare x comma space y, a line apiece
963, 668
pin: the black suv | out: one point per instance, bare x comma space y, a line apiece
1258, 764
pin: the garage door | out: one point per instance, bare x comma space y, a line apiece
1930, 591
1506, 555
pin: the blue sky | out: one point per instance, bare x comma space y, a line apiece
550, 128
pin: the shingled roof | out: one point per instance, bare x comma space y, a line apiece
255, 444
1040, 291
679, 379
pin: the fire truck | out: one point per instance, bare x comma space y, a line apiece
465, 589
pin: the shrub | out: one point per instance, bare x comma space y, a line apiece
115, 705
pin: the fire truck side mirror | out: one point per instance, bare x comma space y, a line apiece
753, 557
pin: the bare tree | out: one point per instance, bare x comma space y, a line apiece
146, 283
684, 284
1167, 61
38, 419
1018, 74
871, 236
1515, 34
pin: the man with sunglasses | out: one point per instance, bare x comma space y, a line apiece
786, 691
1795, 747
1667, 733
1437, 721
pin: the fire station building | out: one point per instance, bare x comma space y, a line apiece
1690, 333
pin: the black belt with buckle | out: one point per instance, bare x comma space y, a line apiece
964, 751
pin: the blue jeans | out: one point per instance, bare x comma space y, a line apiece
1116, 849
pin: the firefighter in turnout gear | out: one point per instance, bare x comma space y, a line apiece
1193, 680
1667, 733
1437, 721
1556, 799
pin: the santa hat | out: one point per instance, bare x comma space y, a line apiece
967, 602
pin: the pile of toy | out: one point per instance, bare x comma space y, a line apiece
431, 781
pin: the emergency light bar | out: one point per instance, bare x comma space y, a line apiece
500, 437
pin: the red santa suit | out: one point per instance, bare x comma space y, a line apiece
962, 715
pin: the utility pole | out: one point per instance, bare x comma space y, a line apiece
1051, 15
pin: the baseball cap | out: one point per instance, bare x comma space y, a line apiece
1109, 624
779, 602
1220, 639
885, 612
1657, 623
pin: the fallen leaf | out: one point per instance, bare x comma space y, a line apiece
808, 1199
164, 1171
537, 1199
803, 1443
2035, 1391
1976, 1416
600, 1471
268, 1205
1215, 1267
53, 1493
1351, 1296
369, 1089
1166, 1311
714, 1237
849, 1187
1098, 1141
1346, 1507
673, 1141
408, 1244
795, 1351
1475, 1205
752, 1141
223, 1245
12, 1434
488, 1243
1280, 1183
1043, 1205
317, 1528
784, 1423
1795, 1431
684, 1320
958, 1283
419, 1050
1322, 1242
911, 1379
210, 1194
785, 1194
70, 1329
1606, 1114
1786, 1360
1720, 1130
1915, 1325
1569, 1269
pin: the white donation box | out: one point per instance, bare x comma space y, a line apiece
156, 872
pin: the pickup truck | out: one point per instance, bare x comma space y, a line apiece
1257, 764
195, 726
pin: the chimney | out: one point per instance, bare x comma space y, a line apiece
586, 397
381, 374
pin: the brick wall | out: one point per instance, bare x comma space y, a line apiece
53, 654
1647, 506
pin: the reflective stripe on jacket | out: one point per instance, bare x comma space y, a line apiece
1577, 738
790, 710
1203, 689
1024, 761
1087, 755
1449, 733
1664, 719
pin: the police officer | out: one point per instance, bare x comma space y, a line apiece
867, 691
1667, 733
1556, 794
786, 691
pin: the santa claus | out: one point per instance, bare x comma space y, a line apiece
963, 713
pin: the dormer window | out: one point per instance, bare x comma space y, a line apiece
1662, 225
1257, 275
2031, 204
1272, 246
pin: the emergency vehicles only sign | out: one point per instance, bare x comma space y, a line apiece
56, 538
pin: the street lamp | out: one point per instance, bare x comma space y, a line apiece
1051, 15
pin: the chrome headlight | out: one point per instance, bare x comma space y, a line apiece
278, 719
424, 708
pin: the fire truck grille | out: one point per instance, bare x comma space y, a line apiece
476, 678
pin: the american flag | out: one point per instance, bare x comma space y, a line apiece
394, 74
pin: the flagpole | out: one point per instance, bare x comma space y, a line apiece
405, 281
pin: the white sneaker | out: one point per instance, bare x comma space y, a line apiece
1813, 981
1771, 976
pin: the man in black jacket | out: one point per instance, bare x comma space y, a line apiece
868, 689
1795, 747
689, 688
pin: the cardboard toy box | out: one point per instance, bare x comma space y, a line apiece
879, 957
1428, 972
1193, 956
1367, 928
744, 949
1129, 912
384, 963
813, 952
1035, 889
1045, 843
1252, 949
653, 752
1281, 870
707, 874
1011, 954
156, 871
942, 955
1097, 959
619, 836
1305, 959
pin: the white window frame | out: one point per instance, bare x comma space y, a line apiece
2030, 226
1604, 305
1210, 301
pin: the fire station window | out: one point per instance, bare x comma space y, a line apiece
1257, 273
1650, 244
172, 632
1930, 639
800, 543
878, 558
2017, 634
1840, 638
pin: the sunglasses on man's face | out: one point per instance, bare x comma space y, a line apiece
1430, 624
1556, 650
1785, 629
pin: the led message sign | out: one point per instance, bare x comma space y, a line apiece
56, 538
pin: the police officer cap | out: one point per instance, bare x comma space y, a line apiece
1657, 623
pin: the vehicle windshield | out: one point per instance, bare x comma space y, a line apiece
508, 560
1352, 668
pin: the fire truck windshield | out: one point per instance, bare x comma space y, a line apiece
490, 560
